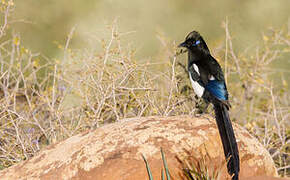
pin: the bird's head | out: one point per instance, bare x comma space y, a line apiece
194, 41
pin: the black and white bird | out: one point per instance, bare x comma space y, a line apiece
208, 82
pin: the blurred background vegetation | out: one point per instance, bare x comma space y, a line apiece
68, 66
52, 20
46, 23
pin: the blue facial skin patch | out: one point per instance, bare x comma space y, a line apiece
197, 42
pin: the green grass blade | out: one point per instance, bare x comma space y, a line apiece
162, 175
148, 168
165, 165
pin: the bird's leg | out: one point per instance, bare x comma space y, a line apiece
204, 108
201, 107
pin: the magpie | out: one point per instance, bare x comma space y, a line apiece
208, 82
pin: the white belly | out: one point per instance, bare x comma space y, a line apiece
198, 89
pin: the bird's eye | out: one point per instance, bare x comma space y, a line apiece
197, 42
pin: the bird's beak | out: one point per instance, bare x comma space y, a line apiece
182, 45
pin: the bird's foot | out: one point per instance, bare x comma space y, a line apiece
201, 109
199, 113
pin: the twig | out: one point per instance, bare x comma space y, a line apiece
226, 53
6, 14
229, 40
166, 112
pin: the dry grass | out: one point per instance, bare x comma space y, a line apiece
44, 101
200, 169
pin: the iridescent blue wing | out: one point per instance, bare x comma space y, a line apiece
218, 89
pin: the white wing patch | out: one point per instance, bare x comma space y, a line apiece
198, 89
211, 77
196, 68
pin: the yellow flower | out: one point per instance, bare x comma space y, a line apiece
16, 40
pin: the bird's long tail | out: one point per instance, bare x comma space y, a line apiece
228, 139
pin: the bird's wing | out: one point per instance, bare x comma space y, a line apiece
215, 69
217, 86
196, 75
217, 89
